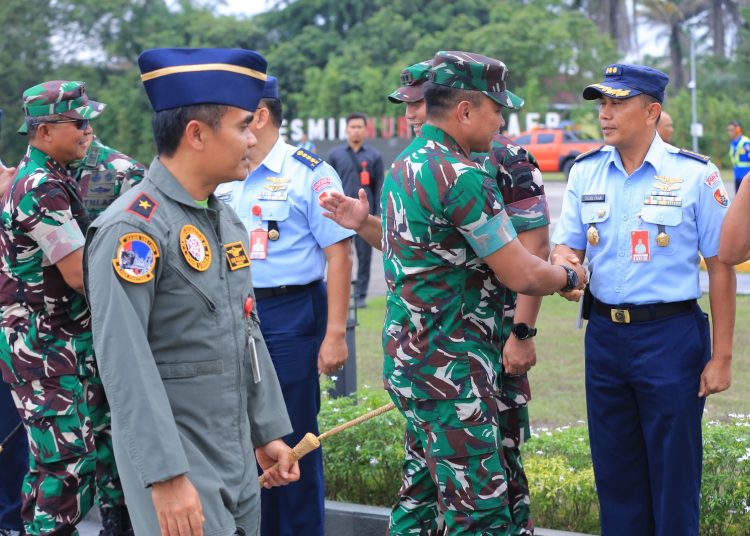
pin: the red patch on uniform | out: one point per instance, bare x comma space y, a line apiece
318, 185
713, 179
721, 196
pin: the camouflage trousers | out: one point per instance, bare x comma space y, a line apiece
454, 469
514, 430
71, 461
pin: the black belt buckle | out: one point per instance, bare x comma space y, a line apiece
620, 316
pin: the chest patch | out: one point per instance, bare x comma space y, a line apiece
236, 255
143, 206
195, 248
136, 258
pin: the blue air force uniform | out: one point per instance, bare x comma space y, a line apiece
279, 200
647, 341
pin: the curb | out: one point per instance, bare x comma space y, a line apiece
347, 519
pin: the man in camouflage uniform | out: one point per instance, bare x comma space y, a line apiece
46, 351
446, 238
103, 174
520, 182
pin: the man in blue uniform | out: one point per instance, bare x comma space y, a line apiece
649, 358
739, 152
303, 319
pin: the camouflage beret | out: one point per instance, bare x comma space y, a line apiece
412, 79
59, 97
466, 70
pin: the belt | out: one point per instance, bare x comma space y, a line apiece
270, 292
629, 314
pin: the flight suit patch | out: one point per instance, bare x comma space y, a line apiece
136, 258
236, 255
143, 206
720, 196
195, 248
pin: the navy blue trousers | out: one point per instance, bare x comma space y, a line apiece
14, 462
293, 326
644, 416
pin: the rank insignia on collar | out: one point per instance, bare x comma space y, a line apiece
135, 259
236, 255
195, 248
143, 206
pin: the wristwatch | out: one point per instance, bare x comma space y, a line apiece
572, 282
522, 331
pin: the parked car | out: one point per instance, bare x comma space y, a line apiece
556, 148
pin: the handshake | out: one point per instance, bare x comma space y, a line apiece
577, 277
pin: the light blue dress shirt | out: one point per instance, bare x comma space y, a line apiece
287, 189
673, 192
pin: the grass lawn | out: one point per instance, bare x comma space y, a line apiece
557, 379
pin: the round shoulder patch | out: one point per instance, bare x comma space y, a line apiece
195, 248
136, 258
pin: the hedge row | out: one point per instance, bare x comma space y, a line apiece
363, 465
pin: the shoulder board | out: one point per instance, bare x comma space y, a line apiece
695, 156
143, 206
588, 153
309, 159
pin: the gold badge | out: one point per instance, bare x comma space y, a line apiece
136, 256
273, 234
662, 239
195, 248
236, 255
592, 235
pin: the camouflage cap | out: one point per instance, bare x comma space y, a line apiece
412, 79
58, 97
466, 70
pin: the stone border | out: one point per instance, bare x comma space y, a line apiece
347, 519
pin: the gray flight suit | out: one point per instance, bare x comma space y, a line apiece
174, 354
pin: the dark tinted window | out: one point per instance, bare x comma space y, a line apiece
545, 138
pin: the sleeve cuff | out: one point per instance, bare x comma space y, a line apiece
62, 241
492, 235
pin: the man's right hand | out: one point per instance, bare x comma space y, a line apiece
572, 261
178, 507
348, 212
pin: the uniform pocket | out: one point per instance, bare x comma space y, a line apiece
274, 210
660, 219
596, 215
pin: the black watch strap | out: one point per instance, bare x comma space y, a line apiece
523, 331
572, 281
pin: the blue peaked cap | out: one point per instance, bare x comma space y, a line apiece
175, 77
271, 91
622, 81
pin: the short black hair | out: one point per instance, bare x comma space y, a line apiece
356, 115
441, 99
274, 110
736, 123
169, 125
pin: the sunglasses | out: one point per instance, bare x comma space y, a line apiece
81, 124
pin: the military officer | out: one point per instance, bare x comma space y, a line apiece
303, 319
103, 174
521, 186
641, 211
47, 353
188, 376
444, 228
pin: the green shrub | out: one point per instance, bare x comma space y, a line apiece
363, 465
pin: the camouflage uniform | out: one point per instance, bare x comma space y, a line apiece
442, 214
103, 175
46, 351
520, 182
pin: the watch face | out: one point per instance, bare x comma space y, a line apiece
521, 331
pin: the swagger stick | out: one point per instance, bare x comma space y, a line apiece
310, 442
11, 434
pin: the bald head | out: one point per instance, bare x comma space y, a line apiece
665, 127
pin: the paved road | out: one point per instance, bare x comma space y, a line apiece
554, 191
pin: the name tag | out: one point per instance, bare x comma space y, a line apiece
593, 198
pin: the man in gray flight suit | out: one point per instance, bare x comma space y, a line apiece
189, 380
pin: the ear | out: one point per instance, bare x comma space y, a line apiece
463, 112
195, 134
261, 117
653, 111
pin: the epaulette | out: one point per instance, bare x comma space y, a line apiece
695, 156
588, 153
143, 206
309, 159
